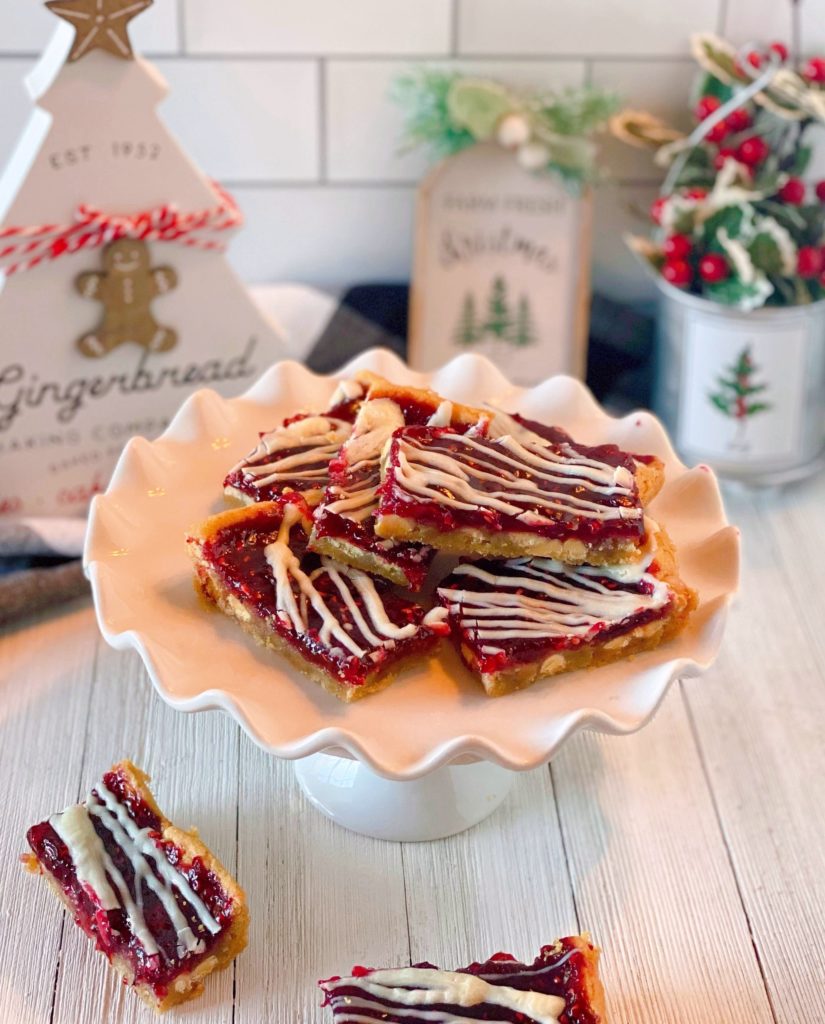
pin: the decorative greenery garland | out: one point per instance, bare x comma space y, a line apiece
549, 132
735, 222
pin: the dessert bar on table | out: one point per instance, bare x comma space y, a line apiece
345, 519
156, 902
524, 619
295, 456
562, 986
516, 493
339, 626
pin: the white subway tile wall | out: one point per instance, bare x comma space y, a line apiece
287, 102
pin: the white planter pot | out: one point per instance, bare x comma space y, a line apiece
743, 392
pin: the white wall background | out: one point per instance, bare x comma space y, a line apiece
285, 101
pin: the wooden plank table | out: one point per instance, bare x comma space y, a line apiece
693, 851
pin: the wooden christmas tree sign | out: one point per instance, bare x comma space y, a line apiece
116, 298
501, 267
502, 247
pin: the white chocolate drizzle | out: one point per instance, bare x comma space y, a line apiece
377, 420
541, 598
97, 872
296, 594
318, 439
418, 987
525, 477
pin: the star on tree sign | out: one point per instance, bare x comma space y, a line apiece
99, 24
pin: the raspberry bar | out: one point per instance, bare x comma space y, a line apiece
345, 520
295, 456
520, 620
516, 494
156, 902
562, 986
340, 627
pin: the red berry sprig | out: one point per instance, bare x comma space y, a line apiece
677, 247
814, 70
677, 272
713, 267
793, 192
752, 151
809, 261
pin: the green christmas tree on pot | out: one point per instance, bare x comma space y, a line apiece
736, 388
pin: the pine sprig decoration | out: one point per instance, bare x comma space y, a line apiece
548, 132
422, 94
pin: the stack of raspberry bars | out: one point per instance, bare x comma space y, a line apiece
550, 560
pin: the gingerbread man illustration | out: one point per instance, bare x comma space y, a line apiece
126, 288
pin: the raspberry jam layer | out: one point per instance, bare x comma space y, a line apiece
565, 974
135, 864
414, 560
340, 619
518, 611
293, 457
439, 478
608, 453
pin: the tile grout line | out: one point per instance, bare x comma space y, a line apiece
395, 58
322, 121
728, 852
722, 17
564, 850
362, 183
181, 27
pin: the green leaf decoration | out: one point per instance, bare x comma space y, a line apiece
755, 407
478, 105
710, 85
734, 292
729, 219
765, 253
799, 161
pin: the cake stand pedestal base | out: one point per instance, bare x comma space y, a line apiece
442, 803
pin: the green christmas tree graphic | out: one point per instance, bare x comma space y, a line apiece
734, 397
499, 319
467, 330
524, 330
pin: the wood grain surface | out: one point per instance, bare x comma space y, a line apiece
693, 851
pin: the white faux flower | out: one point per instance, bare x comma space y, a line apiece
729, 190
533, 156
674, 207
513, 131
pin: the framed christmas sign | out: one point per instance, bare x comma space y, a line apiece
501, 267
503, 223
116, 299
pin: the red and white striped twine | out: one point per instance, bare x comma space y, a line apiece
23, 248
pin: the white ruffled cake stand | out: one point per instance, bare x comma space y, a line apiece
431, 755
